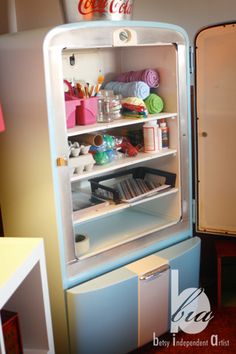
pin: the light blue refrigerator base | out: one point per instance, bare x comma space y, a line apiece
103, 316
185, 257
103, 312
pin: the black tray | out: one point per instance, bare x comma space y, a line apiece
132, 184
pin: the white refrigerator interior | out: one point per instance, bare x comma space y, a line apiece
43, 194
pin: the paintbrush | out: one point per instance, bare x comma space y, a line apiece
80, 90
99, 84
91, 91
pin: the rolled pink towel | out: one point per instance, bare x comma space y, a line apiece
149, 76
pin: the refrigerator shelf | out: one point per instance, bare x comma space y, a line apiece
114, 208
80, 129
127, 161
117, 229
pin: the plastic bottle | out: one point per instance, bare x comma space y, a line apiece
159, 138
165, 135
150, 137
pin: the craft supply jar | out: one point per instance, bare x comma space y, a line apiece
150, 137
116, 106
105, 114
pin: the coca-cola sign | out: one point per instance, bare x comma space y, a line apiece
78, 10
86, 7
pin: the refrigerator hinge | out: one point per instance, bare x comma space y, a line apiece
191, 65
194, 211
61, 161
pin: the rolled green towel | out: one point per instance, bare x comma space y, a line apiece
154, 103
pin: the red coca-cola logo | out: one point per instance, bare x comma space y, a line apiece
86, 7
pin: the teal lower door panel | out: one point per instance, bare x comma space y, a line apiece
119, 311
185, 257
103, 314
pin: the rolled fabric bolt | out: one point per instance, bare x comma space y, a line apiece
154, 103
149, 76
135, 89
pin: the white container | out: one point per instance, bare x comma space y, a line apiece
81, 244
150, 137
85, 10
79, 164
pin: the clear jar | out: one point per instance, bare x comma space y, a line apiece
100, 115
105, 107
116, 106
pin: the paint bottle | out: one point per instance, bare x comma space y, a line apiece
159, 138
164, 135
150, 137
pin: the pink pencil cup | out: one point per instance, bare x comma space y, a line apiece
71, 112
86, 113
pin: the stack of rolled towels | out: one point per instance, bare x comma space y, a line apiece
134, 107
138, 84
149, 76
130, 89
154, 103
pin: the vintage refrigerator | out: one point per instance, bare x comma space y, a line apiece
116, 293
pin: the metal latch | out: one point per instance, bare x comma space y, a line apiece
191, 60
124, 37
155, 273
194, 211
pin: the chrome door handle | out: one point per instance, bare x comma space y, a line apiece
155, 273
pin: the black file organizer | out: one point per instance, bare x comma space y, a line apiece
137, 173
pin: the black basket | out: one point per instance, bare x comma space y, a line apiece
133, 184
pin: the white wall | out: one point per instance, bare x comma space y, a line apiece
37, 13
192, 15
20, 15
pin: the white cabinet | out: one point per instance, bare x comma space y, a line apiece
24, 290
